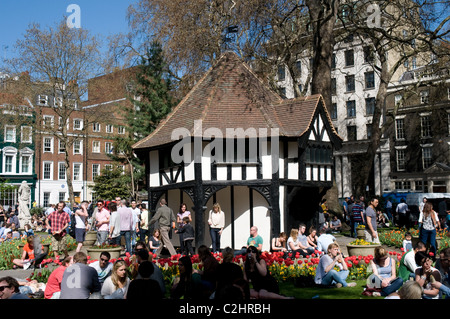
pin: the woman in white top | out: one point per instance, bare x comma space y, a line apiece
430, 222
81, 215
216, 223
116, 285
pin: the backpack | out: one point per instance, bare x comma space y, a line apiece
72, 225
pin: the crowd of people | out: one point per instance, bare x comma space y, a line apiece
117, 223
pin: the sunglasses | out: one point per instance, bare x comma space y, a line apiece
3, 287
99, 204
103, 259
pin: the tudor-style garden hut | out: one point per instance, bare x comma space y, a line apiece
266, 160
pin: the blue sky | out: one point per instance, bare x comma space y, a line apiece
100, 17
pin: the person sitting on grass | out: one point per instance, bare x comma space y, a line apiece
384, 268
326, 275
264, 285
28, 257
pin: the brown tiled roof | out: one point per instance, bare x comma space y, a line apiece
230, 95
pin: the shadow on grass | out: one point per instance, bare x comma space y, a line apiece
289, 289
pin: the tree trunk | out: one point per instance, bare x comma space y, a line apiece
323, 16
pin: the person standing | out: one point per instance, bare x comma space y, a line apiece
102, 222
389, 210
166, 219
183, 212
59, 221
402, 212
216, 221
430, 223
136, 222
114, 224
126, 224
188, 236
143, 231
81, 216
371, 222
358, 216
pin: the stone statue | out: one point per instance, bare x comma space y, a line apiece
24, 200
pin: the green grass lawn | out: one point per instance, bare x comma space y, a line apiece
289, 289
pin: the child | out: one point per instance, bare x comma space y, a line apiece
407, 244
188, 237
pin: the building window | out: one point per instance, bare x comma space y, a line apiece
77, 147
398, 100
48, 144
77, 124
96, 127
43, 100
333, 61
108, 167
48, 170
62, 146
77, 172
401, 162
61, 171
121, 129
48, 121
349, 58
369, 79
108, 148
58, 102
333, 111
109, 128
370, 105
10, 134
61, 196
282, 91
403, 185
333, 86
46, 202
421, 186
350, 83
351, 108
281, 73
26, 135
351, 133
9, 159
95, 170
424, 96
400, 129
298, 67
368, 54
427, 157
369, 130
25, 164
96, 146
425, 126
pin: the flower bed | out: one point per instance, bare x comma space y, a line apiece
12, 250
395, 238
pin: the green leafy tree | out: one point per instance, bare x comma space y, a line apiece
111, 183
